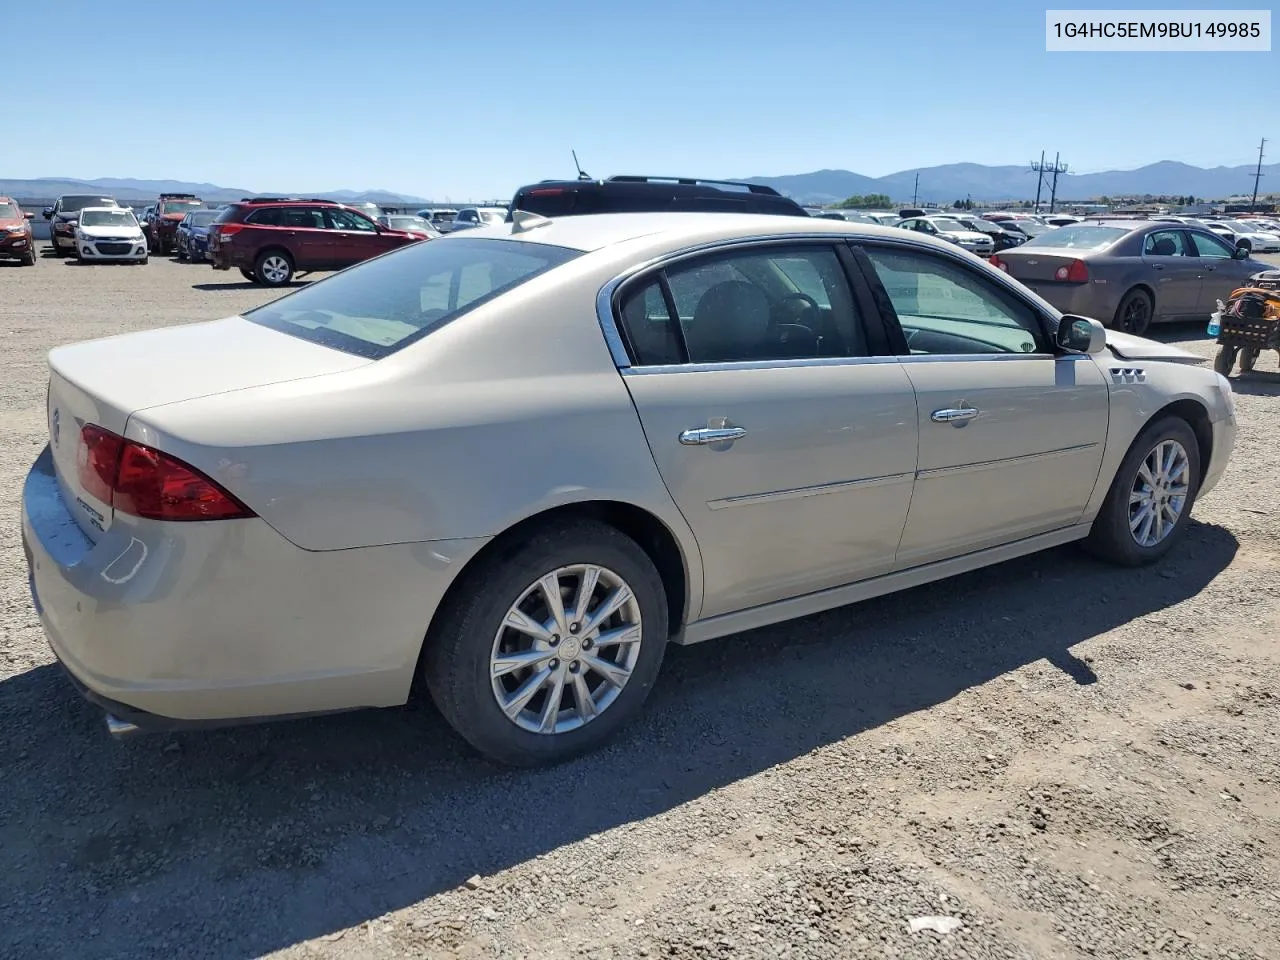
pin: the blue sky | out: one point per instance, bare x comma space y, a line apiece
468, 100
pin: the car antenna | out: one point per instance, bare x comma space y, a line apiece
582, 174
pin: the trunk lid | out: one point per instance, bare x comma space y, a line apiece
1038, 264
104, 382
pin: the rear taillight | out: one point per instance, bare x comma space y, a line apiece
999, 264
1075, 272
145, 482
226, 231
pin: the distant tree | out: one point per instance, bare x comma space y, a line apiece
869, 201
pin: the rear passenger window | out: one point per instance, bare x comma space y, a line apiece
269, 217
753, 305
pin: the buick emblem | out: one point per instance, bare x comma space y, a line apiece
57, 425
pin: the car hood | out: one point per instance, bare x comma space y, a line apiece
6, 222
107, 230
1126, 346
973, 236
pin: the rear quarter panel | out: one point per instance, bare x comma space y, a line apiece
508, 411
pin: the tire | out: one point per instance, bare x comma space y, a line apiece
1249, 359
1225, 360
248, 275
182, 253
456, 662
273, 268
1112, 537
1135, 313
30, 259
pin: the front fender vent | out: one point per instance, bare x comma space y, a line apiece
1128, 375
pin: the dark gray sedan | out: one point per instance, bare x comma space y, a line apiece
1130, 273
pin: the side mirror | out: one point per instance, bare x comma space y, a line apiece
28, 215
1241, 252
1081, 334
47, 213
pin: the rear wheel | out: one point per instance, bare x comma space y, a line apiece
1134, 313
273, 268
546, 651
1151, 497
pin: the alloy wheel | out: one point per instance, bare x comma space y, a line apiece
275, 269
566, 649
1159, 493
1137, 316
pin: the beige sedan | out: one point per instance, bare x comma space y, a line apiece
515, 463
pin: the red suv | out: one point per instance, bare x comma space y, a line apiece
271, 238
17, 241
162, 229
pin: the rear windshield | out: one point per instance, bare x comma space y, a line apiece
380, 306
1078, 237
71, 204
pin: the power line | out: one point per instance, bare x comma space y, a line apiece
1257, 175
1040, 169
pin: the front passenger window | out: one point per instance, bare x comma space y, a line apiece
946, 308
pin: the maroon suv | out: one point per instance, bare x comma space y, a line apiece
17, 241
271, 238
162, 229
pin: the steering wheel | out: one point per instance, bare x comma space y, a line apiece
803, 297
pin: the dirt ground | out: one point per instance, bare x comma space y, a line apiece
1070, 760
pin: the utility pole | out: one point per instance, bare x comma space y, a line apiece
1039, 169
915, 193
1057, 169
1257, 176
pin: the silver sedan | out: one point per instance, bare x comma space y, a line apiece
516, 462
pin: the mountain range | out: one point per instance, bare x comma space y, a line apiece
132, 191
955, 181
941, 184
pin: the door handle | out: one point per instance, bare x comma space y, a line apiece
958, 415
1157, 266
701, 435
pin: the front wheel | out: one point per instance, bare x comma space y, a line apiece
30, 259
545, 652
1135, 312
1151, 497
273, 268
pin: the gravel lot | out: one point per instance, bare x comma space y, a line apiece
1070, 760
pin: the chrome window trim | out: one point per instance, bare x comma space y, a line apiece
617, 348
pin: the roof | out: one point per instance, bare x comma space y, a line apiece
588, 232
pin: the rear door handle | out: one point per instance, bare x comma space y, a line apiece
959, 415
701, 435
1157, 266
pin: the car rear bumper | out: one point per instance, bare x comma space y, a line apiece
168, 624
1081, 299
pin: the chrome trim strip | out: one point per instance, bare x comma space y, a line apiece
613, 337
830, 362
797, 493
1006, 462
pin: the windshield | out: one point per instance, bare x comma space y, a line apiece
1030, 227
108, 218
1077, 237
980, 225
180, 206
1241, 226
953, 226
492, 216
9, 212
382, 305
73, 204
